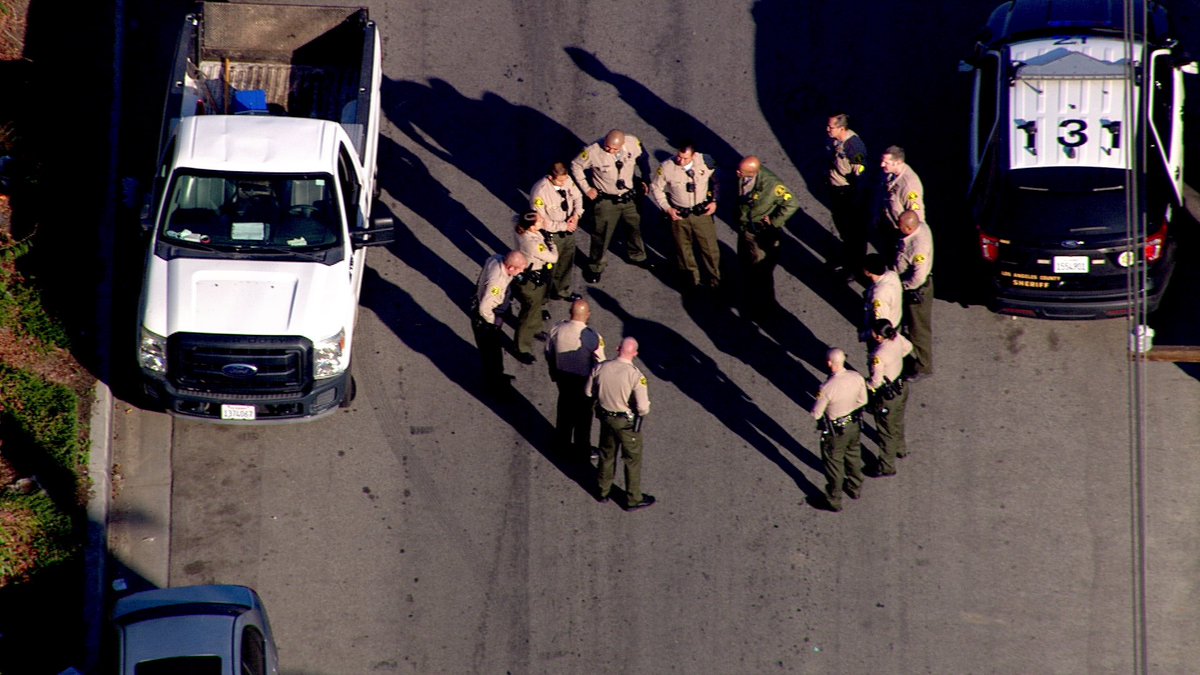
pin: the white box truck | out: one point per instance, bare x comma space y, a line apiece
260, 211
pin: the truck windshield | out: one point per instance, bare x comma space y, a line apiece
248, 212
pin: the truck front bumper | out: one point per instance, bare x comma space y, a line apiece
317, 400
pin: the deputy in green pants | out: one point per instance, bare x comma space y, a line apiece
622, 398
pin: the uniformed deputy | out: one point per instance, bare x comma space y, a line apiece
573, 350
530, 286
883, 298
561, 205
838, 412
914, 265
889, 396
608, 172
766, 204
847, 192
619, 389
492, 297
685, 190
902, 190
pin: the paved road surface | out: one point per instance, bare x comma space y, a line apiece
429, 530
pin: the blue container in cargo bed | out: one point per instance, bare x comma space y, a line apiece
250, 102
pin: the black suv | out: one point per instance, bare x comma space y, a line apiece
1052, 144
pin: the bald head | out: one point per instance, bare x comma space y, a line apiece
515, 263
836, 359
908, 222
614, 141
749, 167
581, 310
628, 349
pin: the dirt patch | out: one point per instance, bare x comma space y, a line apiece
14, 14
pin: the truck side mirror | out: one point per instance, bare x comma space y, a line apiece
382, 231
1191, 68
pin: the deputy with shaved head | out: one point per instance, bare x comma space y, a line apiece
766, 204
838, 412
573, 350
914, 266
608, 171
493, 294
622, 399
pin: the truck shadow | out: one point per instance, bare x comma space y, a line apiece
671, 358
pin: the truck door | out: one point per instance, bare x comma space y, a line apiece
986, 99
354, 201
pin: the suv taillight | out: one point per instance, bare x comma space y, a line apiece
1155, 244
989, 247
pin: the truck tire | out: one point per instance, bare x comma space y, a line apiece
351, 392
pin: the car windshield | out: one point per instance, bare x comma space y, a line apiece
251, 212
1059, 203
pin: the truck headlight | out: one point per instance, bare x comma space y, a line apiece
330, 357
152, 352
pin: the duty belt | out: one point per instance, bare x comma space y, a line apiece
623, 198
845, 420
560, 234
697, 210
609, 413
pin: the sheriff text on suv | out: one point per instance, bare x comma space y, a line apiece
1057, 150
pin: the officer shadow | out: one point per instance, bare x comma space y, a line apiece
410, 183
458, 360
488, 138
671, 358
769, 346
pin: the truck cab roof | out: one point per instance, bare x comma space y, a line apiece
257, 143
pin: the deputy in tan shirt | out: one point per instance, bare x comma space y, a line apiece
887, 367
902, 189
605, 171
914, 266
561, 205
838, 402
620, 391
685, 191
492, 297
573, 350
884, 298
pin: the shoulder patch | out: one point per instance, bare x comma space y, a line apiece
583, 155
787, 196
602, 342
538, 203
495, 291
919, 258
912, 196
643, 381
875, 360
780, 191
541, 248
659, 171
877, 304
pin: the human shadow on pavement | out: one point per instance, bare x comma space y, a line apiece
458, 360
504, 146
671, 358
810, 64
411, 184
771, 347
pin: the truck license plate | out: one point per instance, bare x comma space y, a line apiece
237, 412
1070, 264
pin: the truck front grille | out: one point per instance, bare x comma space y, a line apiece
237, 364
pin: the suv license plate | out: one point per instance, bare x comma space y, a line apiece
1071, 264
237, 412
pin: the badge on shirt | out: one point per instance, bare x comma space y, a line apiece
583, 155
541, 248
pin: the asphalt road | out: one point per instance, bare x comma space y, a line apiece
428, 529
